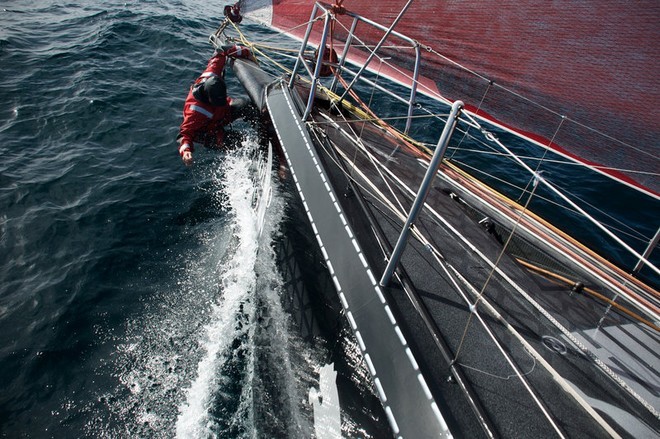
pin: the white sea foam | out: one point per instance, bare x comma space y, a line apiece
213, 353
237, 283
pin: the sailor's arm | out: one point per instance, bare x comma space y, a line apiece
187, 132
217, 62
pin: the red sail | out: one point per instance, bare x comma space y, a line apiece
578, 77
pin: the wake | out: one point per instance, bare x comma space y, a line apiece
237, 388
212, 353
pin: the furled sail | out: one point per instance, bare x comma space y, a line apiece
577, 77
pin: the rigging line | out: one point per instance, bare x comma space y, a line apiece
567, 388
256, 50
271, 60
601, 365
491, 150
420, 85
610, 275
503, 378
276, 48
467, 131
396, 68
632, 233
623, 229
238, 30
429, 322
473, 311
384, 46
627, 229
562, 280
357, 139
493, 268
430, 114
337, 74
423, 240
474, 73
400, 213
375, 195
443, 99
286, 32
279, 49
367, 190
560, 380
530, 158
569, 201
555, 161
404, 139
370, 157
375, 119
488, 145
372, 53
451, 61
373, 91
614, 139
491, 82
391, 129
629, 171
621, 142
540, 162
635, 234
281, 54
586, 351
571, 248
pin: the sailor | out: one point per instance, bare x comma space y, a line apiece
208, 108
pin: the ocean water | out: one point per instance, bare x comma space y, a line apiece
135, 298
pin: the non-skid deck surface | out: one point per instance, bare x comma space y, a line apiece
510, 406
398, 381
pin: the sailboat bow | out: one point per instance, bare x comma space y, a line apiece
488, 294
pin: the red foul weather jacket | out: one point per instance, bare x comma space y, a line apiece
204, 122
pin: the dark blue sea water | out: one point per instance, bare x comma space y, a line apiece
135, 299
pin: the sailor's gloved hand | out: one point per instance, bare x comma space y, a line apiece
187, 158
185, 151
236, 51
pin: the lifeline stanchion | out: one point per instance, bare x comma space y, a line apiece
423, 191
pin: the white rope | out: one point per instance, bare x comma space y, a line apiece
445, 266
560, 194
358, 141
